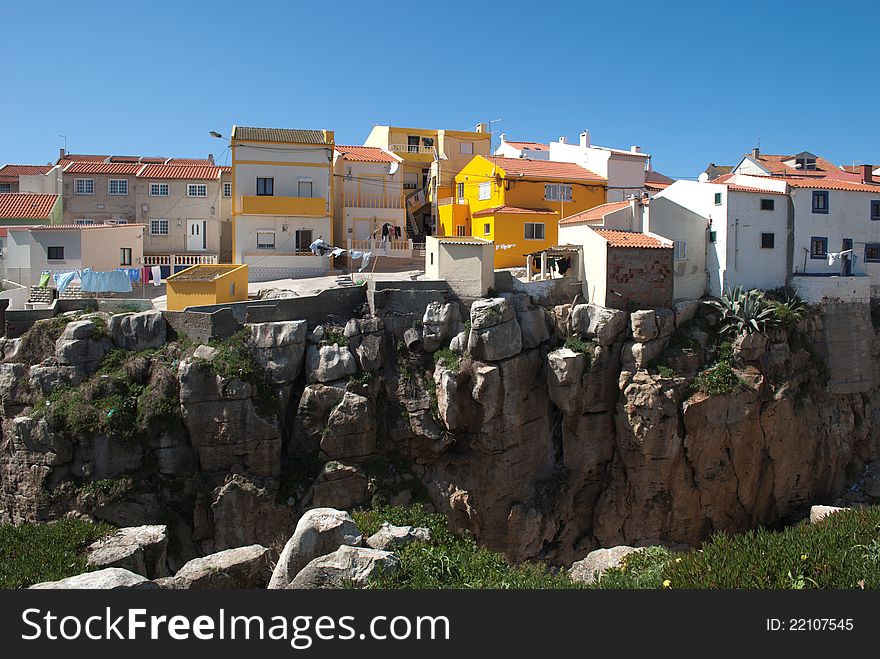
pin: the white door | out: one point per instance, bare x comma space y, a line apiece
195, 235
362, 229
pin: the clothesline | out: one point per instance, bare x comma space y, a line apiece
321, 248
119, 280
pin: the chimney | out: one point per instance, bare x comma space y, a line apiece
482, 127
867, 173
585, 139
563, 140
634, 209
635, 149
211, 158
756, 153
503, 138
61, 152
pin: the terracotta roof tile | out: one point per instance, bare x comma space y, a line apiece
533, 146
834, 184
775, 164
513, 210
366, 154
617, 238
118, 168
594, 214
24, 170
285, 135
198, 162
544, 169
78, 227
24, 206
180, 172
80, 157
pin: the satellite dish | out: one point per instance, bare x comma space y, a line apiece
703, 177
393, 167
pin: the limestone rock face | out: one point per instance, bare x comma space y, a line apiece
590, 320
441, 322
596, 562
140, 549
665, 322
241, 567
495, 332
685, 310
459, 342
138, 331
279, 348
640, 355
82, 346
110, 578
351, 429
339, 486
243, 511
353, 566
329, 363
489, 312
390, 537
319, 531
643, 325
533, 324
750, 347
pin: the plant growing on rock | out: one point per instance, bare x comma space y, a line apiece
448, 359
789, 311
744, 312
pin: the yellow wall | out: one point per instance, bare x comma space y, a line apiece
507, 228
183, 294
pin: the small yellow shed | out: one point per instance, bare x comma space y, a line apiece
207, 284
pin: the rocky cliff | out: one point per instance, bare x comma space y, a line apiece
542, 450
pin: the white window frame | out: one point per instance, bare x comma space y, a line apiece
83, 187
84, 222
534, 225
195, 190
487, 229
227, 190
121, 183
121, 220
459, 190
551, 192
466, 148
485, 190
679, 250
157, 226
5, 188
158, 189
266, 245
311, 183
565, 192
460, 230
122, 255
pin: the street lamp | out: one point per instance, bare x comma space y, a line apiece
214, 133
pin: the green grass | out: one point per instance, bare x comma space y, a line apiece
32, 553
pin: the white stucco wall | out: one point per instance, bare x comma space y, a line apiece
748, 264
594, 265
48, 183
815, 290
469, 269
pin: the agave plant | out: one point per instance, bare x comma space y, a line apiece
745, 312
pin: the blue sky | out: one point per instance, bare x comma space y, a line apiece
690, 82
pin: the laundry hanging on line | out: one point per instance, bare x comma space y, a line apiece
156, 272
44, 279
64, 279
833, 256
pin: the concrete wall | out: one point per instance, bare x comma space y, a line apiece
15, 293
748, 264
177, 208
101, 247
28, 250
547, 293
639, 277
268, 265
49, 183
818, 289
101, 205
592, 270
468, 269
203, 326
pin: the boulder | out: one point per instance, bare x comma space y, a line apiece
818, 513
319, 531
459, 342
495, 342
242, 567
138, 331
587, 570
390, 537
750, 347
487, 389
140, 549
82, 346
665, 322
339, 486
110, 578
328, 363
441, 322
207, 353
350, 433
685, 310
533, 324
489, 312
78, 330
643, 325
369, 352
279, 348
591, 320
642, 355
347, 566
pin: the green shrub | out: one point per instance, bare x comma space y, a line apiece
718, 380
361, 377
234, 358
664, 371
334, 335
744, 312
452, 560
788, 312
447, 358
38, 342
578, 345
31, 553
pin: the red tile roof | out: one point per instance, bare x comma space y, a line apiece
226, 169
78, 227
534, 146
545, 169
513, 210
180, 172
594, 214
835, 184
656, 185
24, 206
365, 154
775, 164
24, 170
80, 157
617, 238
198, 162
81, 167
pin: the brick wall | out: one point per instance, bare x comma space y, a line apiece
643, 277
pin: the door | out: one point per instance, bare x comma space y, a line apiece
846, 259
362, 228
195, 235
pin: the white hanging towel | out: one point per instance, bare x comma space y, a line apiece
156, 273
833, 256
366, 261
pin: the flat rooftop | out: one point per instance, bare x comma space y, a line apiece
203, 273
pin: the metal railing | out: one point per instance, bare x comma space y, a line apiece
372, 200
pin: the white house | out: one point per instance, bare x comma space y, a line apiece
533, 150
282, 188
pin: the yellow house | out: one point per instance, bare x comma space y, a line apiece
517, 202
207, 284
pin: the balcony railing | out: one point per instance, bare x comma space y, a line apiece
180, 259
412, 148
372, 200
402, 248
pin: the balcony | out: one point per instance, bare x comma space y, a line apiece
267, 205
414, 152
372, 200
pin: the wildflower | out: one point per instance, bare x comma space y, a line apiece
803, 557
678, 560
667, 583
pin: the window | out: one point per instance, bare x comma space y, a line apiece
679, 250
83, 186
557, 192
303, 240
875, 210
565, 192
467, 147
872, 253
485, 191
227, 189
121, 221
818, 247
117, 186
461, 230
158, 189
304, 187
84, 223
768, 204
768, 240
5, 187
820, 201
487, 229
231, 289
805, 163
534, 231
125, 256
460, 190
713, 236
432, 258
196, 190
412, 143
717, 198
55, 253
265, 187
265, 240
158, 227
